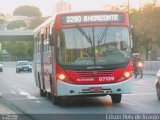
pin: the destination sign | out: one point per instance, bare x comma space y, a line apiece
91, 18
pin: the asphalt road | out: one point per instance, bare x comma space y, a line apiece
20, 91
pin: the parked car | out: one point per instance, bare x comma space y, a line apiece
23, 66
1, 67
157, 83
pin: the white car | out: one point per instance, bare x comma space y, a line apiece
1, 68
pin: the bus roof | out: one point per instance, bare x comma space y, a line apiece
92, 11
45, 23
52, 19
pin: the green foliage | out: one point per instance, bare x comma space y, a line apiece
1, 14
2, 18
146, 22
16, 24
26, 10
36, 22
21, 49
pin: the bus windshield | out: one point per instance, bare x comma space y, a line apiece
98, 45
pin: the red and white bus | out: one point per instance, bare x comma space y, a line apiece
83, 54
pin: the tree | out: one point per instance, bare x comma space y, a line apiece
16, 24
2, 18
37, 21
145, 23
21, 49
26, 10
148, 27
134, 14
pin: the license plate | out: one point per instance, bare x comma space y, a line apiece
95, 89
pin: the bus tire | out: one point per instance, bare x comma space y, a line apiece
116, 98
158, 91
56, 100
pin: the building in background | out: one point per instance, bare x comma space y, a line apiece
61, 6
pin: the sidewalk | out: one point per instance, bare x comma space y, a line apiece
10, 112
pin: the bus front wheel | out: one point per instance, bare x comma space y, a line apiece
116, 98
56, 100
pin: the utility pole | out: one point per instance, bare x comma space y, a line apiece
140, 6
128, 7
154, 2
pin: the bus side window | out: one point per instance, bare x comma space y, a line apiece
52, 36
51, 40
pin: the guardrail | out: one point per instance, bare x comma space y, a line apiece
5, 64
151, 67
16, 32
9, 64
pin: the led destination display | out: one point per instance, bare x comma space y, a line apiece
90, 18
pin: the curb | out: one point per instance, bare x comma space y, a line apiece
6, 108
10, 112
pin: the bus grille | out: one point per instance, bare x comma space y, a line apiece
94, 73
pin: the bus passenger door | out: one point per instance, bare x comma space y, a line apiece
41, 72
47, 70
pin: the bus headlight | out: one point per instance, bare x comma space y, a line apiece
127, 74
61, 76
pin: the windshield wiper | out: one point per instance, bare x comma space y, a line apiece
88, 38
103, 34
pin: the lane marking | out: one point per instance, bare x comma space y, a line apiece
29, 96
146, 87
125, 102
24, 99
13, 92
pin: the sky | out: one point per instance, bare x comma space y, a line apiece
46, 6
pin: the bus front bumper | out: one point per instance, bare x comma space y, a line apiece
67, 89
